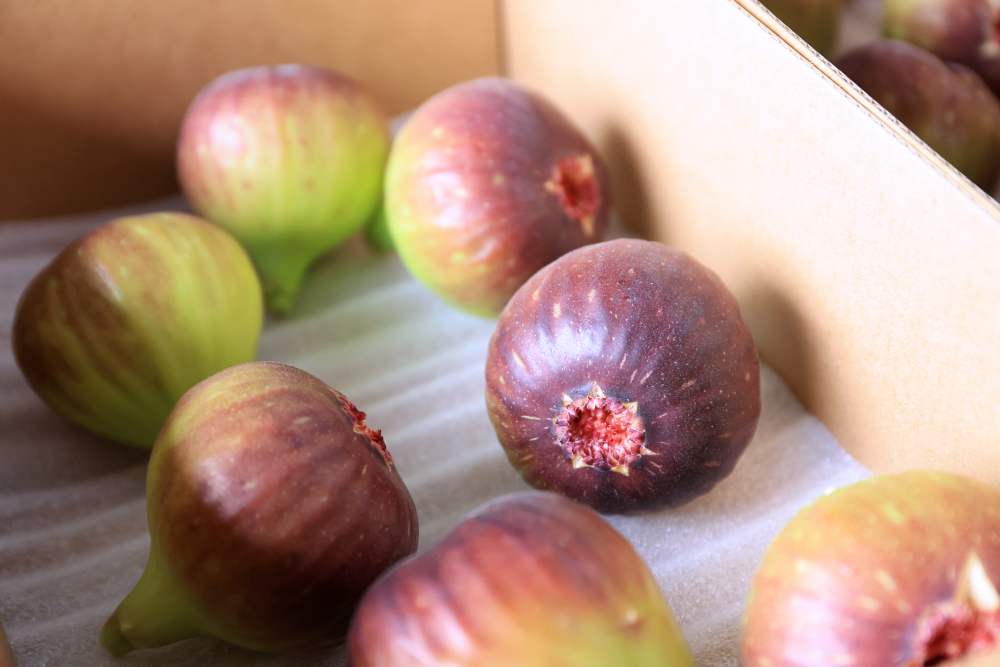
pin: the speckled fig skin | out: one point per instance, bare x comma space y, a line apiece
487, 183
859, 577
533, 580
272, 506
947, 106
652, 329
126, 319
816, 21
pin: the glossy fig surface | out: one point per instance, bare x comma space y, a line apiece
126, 319
272, 505
488, 182
623, 376
816, 21
533, 580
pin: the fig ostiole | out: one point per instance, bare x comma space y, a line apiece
272, 506
487, 183
623, 376
896, 571
532, 579
815, 21
288, 158
126, 319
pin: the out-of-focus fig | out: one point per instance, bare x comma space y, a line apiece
290, 159
377, 232
272, 506
816, 21
125, 320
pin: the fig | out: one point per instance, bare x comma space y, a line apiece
272, 505
622, 375
895, 571
377, 233
532, 579
815, 21
961, 31
288, 158
947, 106
487, 183
126, 319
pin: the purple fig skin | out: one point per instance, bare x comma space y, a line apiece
948, 106
622, 375
487, 183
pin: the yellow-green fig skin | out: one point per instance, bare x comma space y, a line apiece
289, 159
815, 21
126, 319
533, 579
271, 506
895, 571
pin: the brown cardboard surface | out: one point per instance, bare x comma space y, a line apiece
868, 268
92, 92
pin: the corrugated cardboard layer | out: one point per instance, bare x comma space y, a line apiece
869, 272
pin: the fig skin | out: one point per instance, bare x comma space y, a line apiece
947, 106
271, 506
126, 319
288, 158
867, 575
654, 336
532, 579
487, 183
815, 21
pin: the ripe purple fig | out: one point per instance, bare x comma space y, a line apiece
895, 571
272, 506
487, 183
815, 21
947, 106
532, 580
623, 376
290, 159
125, 320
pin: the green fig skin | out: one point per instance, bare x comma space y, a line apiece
271, 507
377, 233
126, 319
532, 579
948, 106
815, 21
290, 159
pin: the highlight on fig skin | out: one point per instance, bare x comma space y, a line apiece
623, 376
896, 571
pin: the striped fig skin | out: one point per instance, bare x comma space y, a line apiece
866, 575
649, 326
487, 183
816, 21
289, 159
272, 507
533, 580
125, 320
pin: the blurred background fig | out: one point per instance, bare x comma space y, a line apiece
946, 105
126, 319
272, 505
815, 21
896, 571
623, 376
532, 579
288, 158
487, 183
377, 233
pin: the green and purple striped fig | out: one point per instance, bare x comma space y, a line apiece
288, 158
272, 506
126, 319
815, 21
487, 183
895, 571
532, 580
946, 105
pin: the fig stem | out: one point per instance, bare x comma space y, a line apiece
281, 273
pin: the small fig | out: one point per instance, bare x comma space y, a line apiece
623, 376
532, 580
487, 183
272, 506
290, 159
815, 21
947, 106
895, 571
125, 320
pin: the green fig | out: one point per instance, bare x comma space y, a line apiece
815, 21
125, 320
377, 233
948, 106
272, 506
290, 159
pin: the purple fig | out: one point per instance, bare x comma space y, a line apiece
815, 21
272, 506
